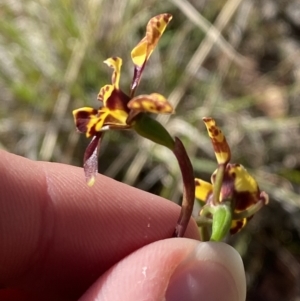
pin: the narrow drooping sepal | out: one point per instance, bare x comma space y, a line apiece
221, 148
188, 197
151, 129
90, 160
142, 52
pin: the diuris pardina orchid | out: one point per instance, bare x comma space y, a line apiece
119, 110
125, 111
233, 195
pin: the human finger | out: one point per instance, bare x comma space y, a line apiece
58, 235
174, 270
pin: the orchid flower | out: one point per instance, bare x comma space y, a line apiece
120, 111
233, 196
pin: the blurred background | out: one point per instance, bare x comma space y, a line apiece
235, 60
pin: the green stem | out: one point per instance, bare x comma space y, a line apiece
217, 185
203, 221
204, 233
153, 130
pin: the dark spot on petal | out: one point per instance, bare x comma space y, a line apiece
82, 118
158, 24
155, 35
244, 200
167, 17
107, 88
118, 100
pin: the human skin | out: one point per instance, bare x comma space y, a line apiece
62, 240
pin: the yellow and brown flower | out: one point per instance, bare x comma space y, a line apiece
237, 186
119, 110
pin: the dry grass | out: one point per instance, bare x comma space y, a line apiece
235, 60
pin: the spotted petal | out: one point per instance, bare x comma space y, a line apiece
91, 121
153, 103
141, 53
243, 181
111, 96
104, 93
221, 148
86, 120
246, 189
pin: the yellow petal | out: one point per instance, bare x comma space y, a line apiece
221, 148
155, 28
116, 118
153, 103
245, 187
203, 190
116, 64
243, 181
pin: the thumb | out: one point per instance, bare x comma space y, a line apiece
174, 269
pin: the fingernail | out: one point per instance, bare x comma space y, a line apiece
206, 277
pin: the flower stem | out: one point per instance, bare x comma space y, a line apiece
188, 188
204, 233
218, 184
